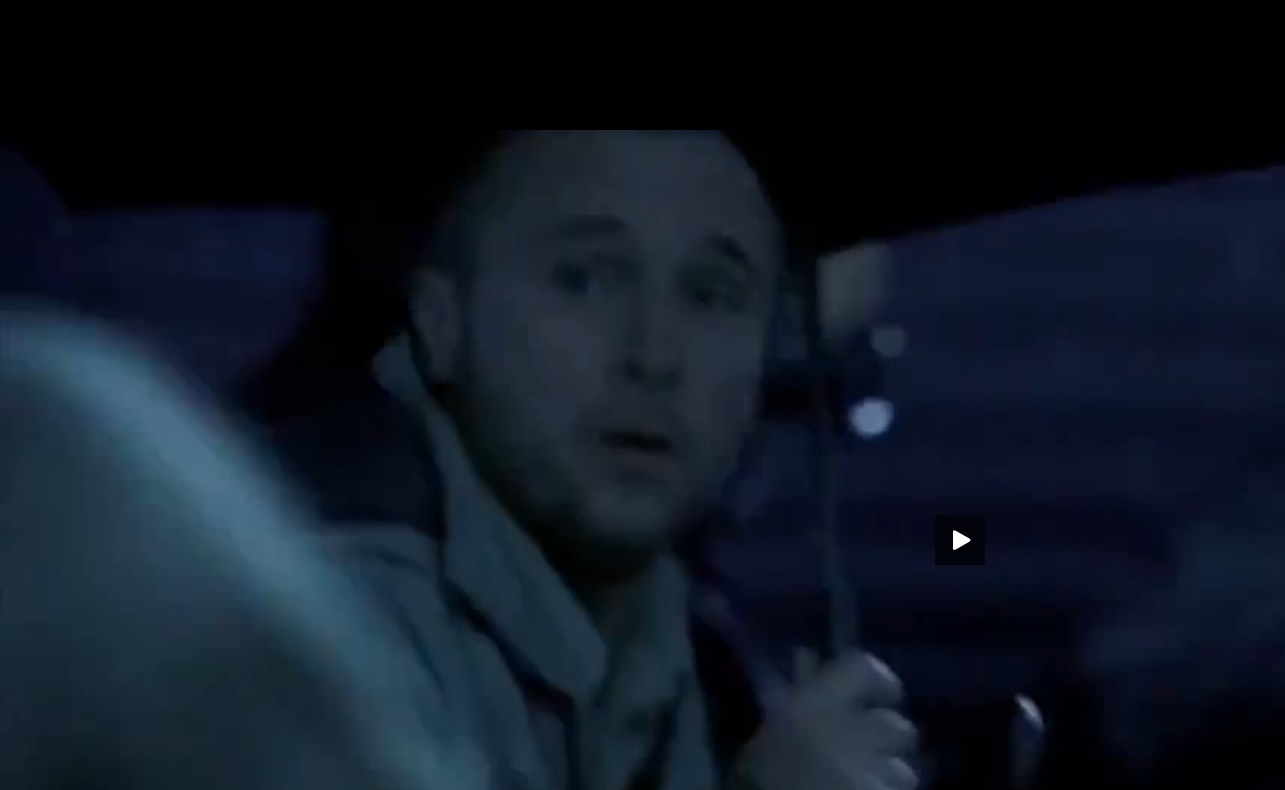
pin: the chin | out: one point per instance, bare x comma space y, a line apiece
627, 526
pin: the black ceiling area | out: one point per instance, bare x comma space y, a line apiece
839, 185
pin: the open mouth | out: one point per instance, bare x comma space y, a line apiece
638, 442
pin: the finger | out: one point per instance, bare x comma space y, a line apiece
896, 774
805, 664
884, 774
885, 732
856, 678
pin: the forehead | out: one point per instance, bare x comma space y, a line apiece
667, 190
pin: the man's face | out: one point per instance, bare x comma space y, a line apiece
613, 330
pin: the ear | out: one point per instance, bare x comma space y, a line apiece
435, 316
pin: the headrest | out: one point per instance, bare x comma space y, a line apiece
32, 223
219, 291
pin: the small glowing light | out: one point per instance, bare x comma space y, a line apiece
871, 417
888, 341
1029, 711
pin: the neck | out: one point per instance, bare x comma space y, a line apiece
609, 581
615, 605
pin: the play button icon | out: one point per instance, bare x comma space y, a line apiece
960, 540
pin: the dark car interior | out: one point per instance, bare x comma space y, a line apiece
1080, 347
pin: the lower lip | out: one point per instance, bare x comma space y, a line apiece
641, 460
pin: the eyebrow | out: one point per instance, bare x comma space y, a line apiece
589, 226
729, 247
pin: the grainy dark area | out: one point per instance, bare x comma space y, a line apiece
1086, 372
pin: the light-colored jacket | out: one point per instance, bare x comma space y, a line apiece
509, 657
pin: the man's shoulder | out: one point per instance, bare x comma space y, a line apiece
374, 488
396, 565
386, 545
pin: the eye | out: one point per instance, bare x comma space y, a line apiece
719, 293
576, 279
588, 274
583, 278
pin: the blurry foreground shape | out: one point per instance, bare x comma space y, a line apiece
854, 285
163, 626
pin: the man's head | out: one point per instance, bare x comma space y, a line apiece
598, 306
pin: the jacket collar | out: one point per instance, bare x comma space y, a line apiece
502, 574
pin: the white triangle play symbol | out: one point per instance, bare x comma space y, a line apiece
958, 539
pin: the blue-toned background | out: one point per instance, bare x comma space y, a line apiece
1082, 375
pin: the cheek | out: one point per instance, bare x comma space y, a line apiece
728, 395
540, 363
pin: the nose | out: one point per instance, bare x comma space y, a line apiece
652, 354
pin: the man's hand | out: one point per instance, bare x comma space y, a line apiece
837, 730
